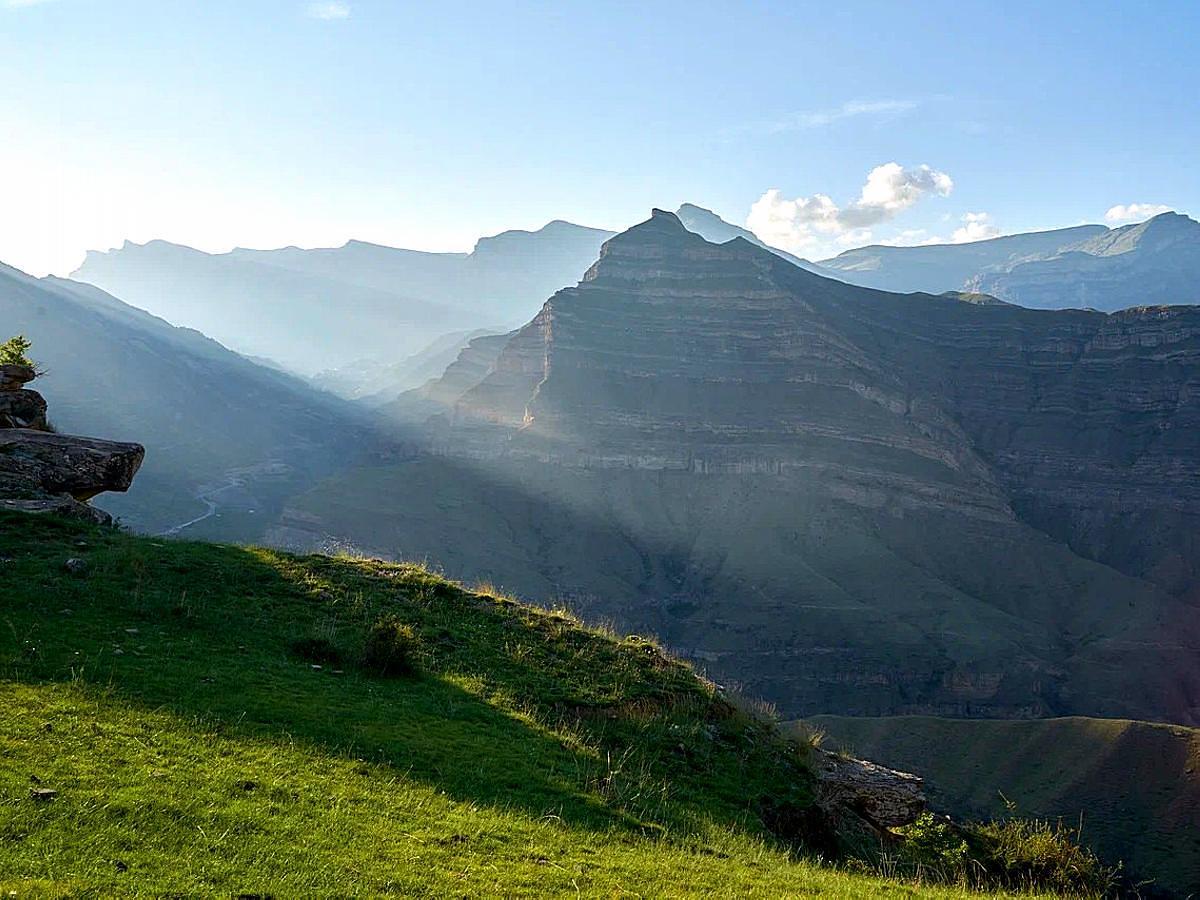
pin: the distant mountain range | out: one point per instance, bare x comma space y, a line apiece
1155, 263
945, 267
312, 310
376, 383
844, 499
208, 417
357, 312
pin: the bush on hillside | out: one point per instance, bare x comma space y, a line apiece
15, 352
389, 648
1016, 854
1024, 853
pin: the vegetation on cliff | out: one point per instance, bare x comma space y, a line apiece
15, 352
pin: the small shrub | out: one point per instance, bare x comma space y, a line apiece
935, 847
389, 648
15, 352
317, 650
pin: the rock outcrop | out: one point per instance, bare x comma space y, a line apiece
13, 376
41, 471
885, 798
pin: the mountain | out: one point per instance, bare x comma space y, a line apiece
716, 230
209, 419
846, 500
188, 719
374, 383
1154, 263
312, 310
946, 267
1134, 786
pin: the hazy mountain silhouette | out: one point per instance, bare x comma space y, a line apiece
1156, 262
946, 267
312, 310
375, 383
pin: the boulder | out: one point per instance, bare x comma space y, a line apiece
34, 464
14, 377
22, 409
884, 797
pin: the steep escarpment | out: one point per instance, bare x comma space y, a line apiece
1086, 419
817, 490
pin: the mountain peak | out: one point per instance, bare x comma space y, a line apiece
1162, 231
669, 217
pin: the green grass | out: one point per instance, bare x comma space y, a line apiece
168, 695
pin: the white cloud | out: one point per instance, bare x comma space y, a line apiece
328, 11
976, 227
912, 237
805, 223
849, 110
1135, 212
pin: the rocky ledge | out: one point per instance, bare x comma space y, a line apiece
884, 798
41, 471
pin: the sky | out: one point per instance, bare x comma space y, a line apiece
820, 126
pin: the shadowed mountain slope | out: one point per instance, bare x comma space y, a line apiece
206, 415
845, 499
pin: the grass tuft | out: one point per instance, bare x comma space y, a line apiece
390, 648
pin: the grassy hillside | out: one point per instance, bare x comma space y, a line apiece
208, 724
1134, 785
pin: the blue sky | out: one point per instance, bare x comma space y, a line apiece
272, 122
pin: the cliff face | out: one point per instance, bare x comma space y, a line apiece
844, 499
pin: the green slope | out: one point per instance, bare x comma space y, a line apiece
1135, 786
169, 696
